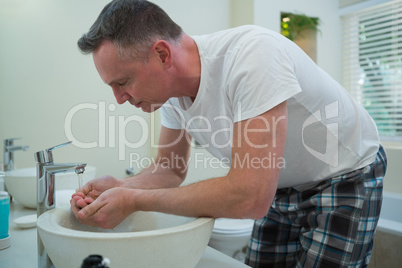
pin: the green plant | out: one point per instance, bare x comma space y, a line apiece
292, 25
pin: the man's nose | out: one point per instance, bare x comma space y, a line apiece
120, 95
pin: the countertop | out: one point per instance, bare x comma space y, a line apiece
23, 250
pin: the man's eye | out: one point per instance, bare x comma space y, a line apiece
122, 83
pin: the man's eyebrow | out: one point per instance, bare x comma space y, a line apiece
115, 81
111, 83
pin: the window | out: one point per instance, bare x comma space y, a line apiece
372, 64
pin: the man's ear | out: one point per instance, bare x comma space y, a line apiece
163, 51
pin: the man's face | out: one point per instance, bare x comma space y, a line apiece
141, 84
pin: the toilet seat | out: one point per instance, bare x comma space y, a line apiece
226, 226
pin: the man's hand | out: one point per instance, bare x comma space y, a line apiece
90, 192
107, 210
93, 189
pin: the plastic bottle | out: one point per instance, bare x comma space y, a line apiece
5, 241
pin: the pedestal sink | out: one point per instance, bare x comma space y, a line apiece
144, 239
21, 183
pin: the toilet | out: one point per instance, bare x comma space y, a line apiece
231, 236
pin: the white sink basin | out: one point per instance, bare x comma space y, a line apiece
21, 183
144, 239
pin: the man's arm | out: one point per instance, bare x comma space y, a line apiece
246, 191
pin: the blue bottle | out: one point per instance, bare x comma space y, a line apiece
4, 214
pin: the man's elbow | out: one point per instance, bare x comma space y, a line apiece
256, 209
254, 206
253, 197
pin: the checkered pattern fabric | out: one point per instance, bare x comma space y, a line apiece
331, 225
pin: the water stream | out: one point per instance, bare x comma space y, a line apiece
79, 181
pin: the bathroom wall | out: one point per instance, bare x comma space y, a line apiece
393, 177
242, 12
267, 14
48, 87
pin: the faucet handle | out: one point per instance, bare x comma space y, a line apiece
46, 156
58, 146
10, 141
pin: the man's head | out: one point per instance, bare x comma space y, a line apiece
132, 42
132, 26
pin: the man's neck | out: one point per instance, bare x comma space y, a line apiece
188, 67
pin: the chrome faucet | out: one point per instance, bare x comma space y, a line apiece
8, 161
9, 149
45, 175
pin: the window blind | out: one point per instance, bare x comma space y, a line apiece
372, 64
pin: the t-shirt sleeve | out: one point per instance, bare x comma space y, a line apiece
261, 78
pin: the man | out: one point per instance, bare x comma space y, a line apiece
305, 158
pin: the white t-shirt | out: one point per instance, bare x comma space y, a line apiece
248, 70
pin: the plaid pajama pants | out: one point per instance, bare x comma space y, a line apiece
331, 225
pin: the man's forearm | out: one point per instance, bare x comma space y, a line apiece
217, 197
